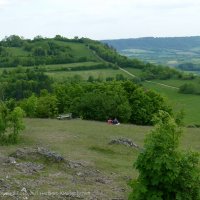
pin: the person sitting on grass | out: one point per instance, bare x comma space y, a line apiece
115, 122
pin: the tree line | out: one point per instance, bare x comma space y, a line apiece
45, 51
39, 96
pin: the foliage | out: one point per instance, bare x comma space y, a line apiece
47, 106
102, 100
102, 106
164, 171
29, 105
152, 71
11, 123
17, 51
144, 103
16, 124
21, 83
189, 88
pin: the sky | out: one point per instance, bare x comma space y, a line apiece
100, 19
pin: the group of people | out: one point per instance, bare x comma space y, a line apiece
113, 122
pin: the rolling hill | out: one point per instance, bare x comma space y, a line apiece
82, 59
171, 51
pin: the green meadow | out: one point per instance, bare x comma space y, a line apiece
86, 142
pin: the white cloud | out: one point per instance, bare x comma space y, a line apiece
3, 3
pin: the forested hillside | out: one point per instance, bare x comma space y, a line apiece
181, 43
73, 74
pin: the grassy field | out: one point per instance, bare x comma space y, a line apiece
85, 141
56, 66
79, 50
98, 73
178, 82
188, 102
171, 57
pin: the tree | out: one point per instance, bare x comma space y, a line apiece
47, 106
16, 124
11, 123
165, 173
3, 121
30, 105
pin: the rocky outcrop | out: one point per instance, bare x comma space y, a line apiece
124, 141
25, 153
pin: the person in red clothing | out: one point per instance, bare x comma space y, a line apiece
110, 121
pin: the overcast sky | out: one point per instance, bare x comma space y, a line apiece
100, 19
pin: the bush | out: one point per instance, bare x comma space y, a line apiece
189, 88
164, 171
11, 123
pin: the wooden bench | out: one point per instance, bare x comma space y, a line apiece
65, 116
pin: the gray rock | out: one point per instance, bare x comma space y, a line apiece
124, 141
11, 160
29, 167
50, 154
26, 153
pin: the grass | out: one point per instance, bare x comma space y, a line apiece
98, 73
136, 72
88, 141
16, 51
178, 82
78, 50
67, 66
188, 102
56, 66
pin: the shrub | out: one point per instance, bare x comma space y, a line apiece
11, 123
165, 173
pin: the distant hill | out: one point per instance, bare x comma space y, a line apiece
167, 50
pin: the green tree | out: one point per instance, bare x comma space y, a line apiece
165, 173
16, 124
11, 123
47, 106
30, 105
3, 121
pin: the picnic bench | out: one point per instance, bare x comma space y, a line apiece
65, 116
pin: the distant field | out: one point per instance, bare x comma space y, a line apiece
136, 72
69, 65
170, 51
188, 102
86, 142
178, 82
57, 66
98, 73
79, 49
165, 56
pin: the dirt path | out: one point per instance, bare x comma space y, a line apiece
169, 86
127, 72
